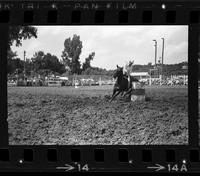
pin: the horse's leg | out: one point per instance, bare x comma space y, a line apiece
128, 92
114, 91
115, 94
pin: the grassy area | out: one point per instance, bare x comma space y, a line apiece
93, 90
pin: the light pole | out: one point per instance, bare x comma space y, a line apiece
24, 62
155, 51
155, 56
162, 56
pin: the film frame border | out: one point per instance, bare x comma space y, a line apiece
101, 12
135, 153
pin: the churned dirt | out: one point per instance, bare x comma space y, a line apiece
84, 116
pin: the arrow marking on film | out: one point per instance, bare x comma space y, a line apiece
157, 167
67, 167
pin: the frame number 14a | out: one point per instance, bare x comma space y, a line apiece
177, 168
169, 167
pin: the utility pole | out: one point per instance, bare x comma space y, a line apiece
155, 55
24, 63
162, 56
155, 51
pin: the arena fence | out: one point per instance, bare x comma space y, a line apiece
94, 81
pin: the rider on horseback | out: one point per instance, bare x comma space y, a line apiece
127, 71
123, 82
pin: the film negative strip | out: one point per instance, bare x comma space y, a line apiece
100, 86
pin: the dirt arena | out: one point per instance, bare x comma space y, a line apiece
84, 116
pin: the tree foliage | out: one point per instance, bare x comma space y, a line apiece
168, 69
37, 60
175, 69
42, 61
10, 57
71, 54
97, 71
87, 63
19, 33
16, 35
15, 66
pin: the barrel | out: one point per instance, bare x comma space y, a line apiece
138, 92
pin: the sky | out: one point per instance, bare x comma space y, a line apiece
112, 44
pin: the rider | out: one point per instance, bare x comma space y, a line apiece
127, 71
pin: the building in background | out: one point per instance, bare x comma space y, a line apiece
142, 76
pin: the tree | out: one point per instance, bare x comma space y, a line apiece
10, 55
37, 61
28, 65
97, 71
17, 66
86, 64
71, 53
46, 62
52, 62
14, 64
19, 33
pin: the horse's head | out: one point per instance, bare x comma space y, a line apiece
119, 72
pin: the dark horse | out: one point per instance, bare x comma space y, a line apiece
122, 84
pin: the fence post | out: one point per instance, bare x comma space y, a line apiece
184, 79
160, 80
150, 81
171, 80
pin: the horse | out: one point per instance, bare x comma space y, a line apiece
123, 83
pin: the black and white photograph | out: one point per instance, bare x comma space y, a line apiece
98, 85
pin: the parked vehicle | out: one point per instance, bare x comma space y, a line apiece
12, 83
54, 82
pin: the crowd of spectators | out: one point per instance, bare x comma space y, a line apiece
171, 81
43, 81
